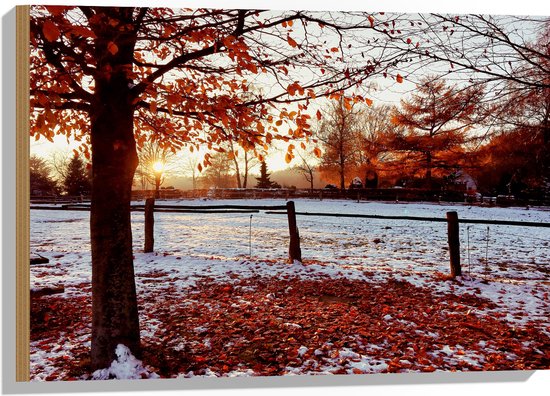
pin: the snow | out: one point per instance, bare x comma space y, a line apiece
125, 366
510, 266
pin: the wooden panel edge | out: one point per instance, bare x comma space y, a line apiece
22, 341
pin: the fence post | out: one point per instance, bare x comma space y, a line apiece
454, 243
149, 225
294, 251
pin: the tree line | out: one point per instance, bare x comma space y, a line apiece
73, 177
435, 133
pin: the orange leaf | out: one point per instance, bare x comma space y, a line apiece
112, 48
291, 42
334, 49
368, 101
371, 20
290, 23
50, 30
347, 104
317, 152
153, 107
288, 158
318, 114
399, 78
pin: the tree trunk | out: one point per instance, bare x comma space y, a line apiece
342, 175
114, 304
245, 171
429, 168
237, 172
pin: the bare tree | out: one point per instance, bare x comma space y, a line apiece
339, 133
58, 161
243, 162
156, 162
308, 165
190, 167
218, 173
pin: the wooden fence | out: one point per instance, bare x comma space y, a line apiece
289, 210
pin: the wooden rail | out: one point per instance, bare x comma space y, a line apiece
418, 218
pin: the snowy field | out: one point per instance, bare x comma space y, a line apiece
506, 277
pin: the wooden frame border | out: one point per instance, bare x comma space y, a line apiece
22, 335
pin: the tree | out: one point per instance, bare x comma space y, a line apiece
108, 76
339, 132
263, 180
243, 162
307, 166
500, 52
436, 118
77, 178
373, 155
506, 164
190, 166
41, 181
218, 174
156, 162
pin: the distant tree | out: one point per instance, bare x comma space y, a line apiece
218, 173
243, 162
509, 164
373, 156
57, 162
190, 167
339, 133
307, 166
150, 154
436, 118
77, 179
263, 180
41, 181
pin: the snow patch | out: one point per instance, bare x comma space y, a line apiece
126, 366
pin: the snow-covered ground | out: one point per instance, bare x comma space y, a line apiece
508, 265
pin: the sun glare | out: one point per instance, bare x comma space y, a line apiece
158, 166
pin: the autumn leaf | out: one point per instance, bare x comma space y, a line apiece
112, 48
371, 20
368, 102
347, 104
288, 158
50, 30
317, 152
291, 42
334, 49
399, 78
318, 114
153, 106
